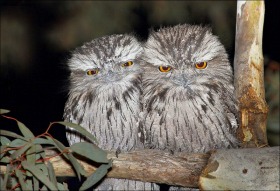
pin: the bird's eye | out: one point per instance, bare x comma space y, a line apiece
201, 65
92, 72
127, 64
164, 68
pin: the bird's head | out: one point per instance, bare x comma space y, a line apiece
185, 58
105, 62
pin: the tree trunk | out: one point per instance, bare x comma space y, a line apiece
248, 71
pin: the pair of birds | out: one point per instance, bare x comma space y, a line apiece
173, 92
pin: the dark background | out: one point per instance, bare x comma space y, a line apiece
36, 38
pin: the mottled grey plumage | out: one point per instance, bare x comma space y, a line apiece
188, 109
107, 104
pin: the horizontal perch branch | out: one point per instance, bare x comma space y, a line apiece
233, 169
149, 166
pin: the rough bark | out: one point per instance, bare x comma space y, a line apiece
181, 169
259, 169
242, 169
248, 70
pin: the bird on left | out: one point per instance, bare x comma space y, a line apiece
104, 98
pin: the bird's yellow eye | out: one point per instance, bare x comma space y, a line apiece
201, 65
126, 64
164, 68
92, 72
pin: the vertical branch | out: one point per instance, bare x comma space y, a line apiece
248, 69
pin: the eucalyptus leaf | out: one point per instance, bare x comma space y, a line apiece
62, 186
17, 143
2, 155
58, 145
4, 140
29, 184
38, 174
80, 129
24, 130
90, 151
21, 178
3, 111
12, 151
11, 134
52, 174
44, 188
43, 167
14, 182
31, 156
78, 168
40, 152
2, 150
35, 183
1, 182
5, 159
5, 181
42, 141
21, 151
96, 176
39, 149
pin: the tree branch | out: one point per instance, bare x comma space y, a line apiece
259, 168
146, 165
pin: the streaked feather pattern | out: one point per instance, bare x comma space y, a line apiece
188, 109
107, 104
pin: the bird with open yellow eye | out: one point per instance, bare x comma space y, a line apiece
201, 65
127, 64
104, 98
164, 68
92, 72
190, 106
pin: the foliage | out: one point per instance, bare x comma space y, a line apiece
28, 168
